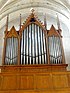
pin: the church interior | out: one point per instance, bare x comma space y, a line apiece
34, 46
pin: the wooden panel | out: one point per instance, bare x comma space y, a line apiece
43, 82
35, 82
1, 80
40, 91
33, 68
14, 91
60, 81
9, 82
26, 82
69, 80
5, 92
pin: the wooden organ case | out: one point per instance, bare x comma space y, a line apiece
33, 60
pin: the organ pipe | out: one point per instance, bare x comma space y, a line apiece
33, 45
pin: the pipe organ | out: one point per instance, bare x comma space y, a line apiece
33, 59
33, 44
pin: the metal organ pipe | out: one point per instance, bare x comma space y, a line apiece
37, 42
45, 47
40, 44
55, 50
28, 46
37, 58
25, 46
33, 45
11, 51
42, 47
46, 50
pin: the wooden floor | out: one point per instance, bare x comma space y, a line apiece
36, 79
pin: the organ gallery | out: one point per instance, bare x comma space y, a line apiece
33, 59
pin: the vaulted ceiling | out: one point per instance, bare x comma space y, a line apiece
51, 7
16, 7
